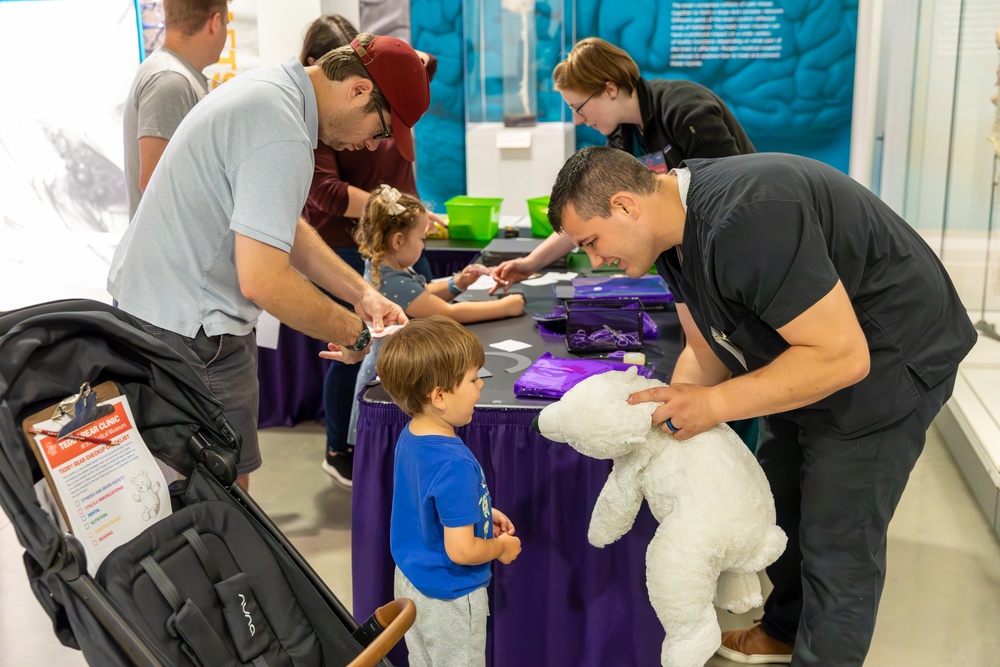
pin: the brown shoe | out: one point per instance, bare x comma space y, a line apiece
752, 647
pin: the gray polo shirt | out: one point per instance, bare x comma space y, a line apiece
241, 163
166, 87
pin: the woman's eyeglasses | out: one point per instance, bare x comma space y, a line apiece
579, 110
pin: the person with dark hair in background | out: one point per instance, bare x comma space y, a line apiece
659, 121
803, 298
168, 83
341, 186
218, 236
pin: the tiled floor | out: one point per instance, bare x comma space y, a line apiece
940, 607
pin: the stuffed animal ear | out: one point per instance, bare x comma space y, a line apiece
631, 372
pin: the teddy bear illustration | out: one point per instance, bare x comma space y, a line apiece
148, 493
708, 493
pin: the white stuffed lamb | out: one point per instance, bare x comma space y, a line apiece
708, 493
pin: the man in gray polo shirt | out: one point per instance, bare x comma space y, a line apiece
168, 84
217, 236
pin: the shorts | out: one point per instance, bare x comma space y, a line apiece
227, 364
446, 633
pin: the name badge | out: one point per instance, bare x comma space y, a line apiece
655, 161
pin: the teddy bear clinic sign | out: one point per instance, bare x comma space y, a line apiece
109, 493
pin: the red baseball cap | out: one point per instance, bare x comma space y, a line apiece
401, 76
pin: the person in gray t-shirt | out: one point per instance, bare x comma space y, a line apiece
217, 237
168, 84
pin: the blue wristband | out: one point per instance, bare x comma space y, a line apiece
452, 287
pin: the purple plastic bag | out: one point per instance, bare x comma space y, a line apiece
650, 289
551, 377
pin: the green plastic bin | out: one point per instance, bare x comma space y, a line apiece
538, 211
475, 218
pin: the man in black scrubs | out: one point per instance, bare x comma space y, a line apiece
804, 298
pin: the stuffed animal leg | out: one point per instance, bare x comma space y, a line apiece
681, 590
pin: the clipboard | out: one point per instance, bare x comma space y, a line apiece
104, 392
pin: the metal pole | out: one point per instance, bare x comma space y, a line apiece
984, 327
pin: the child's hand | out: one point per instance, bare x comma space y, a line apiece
469, 275
501, 524
511, 548
513, 305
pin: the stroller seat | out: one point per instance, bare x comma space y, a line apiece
215, 583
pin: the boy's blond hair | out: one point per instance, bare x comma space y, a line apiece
378, 225
426, 354
591, 64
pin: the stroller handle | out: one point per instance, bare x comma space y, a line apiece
396, 617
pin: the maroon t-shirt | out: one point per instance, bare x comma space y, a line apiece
366, 170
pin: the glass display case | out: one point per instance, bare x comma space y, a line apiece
952, 194
511, 47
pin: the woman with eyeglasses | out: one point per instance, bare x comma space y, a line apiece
659, 121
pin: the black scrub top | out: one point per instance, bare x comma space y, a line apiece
682, 120
768, 235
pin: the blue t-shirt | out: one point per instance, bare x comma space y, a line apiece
437, 483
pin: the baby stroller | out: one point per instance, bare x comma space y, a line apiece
167, 596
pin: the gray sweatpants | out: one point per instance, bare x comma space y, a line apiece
447, 633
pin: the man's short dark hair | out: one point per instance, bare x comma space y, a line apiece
591, 177
190, 16
342, 63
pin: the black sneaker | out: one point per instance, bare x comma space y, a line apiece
340, 466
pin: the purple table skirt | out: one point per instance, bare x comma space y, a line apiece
291, 380
291, 377
563, 602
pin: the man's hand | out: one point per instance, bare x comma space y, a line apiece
690, 409
501, 524
510, 272
336, 353
378, 310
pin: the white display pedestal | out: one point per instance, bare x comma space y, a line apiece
516, 163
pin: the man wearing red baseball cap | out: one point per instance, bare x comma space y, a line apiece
218, 237
402, 78
361, 86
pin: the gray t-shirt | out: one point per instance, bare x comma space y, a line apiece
240, 163
165, 88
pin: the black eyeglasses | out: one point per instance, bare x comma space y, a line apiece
578, 110
385, 133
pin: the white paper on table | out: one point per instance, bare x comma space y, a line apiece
549, 278
510, 345
267, 331
110, 493
541, 280
483, 283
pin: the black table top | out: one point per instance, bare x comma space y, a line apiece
498, 391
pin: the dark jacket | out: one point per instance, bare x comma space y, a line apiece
684, 120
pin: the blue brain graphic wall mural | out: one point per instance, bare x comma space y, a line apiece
785, 67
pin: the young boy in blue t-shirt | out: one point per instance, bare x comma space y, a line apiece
444, 531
